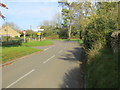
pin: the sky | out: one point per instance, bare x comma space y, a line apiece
30, 12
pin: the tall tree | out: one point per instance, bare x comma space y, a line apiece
67, 12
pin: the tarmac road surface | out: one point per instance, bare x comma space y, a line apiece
58, 66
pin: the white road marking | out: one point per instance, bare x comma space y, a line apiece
20, 78
48, 48
60, 51
49, 59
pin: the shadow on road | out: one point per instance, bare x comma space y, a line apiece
74, 78
73, 55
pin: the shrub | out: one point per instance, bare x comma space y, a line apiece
5, 38
11, 42
16, 37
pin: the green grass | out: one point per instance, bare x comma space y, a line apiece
10, 53
102, 71
38, 43
58, 39
78, 40
66, 39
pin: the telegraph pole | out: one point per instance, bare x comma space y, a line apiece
30, 27
24, 32
30, 34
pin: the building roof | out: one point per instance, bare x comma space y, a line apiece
9, 31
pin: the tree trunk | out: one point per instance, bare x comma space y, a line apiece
80, 34
69, 32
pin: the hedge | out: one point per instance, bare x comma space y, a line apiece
11, 42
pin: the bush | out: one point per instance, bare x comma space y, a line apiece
16, 37
115, 41
12, 42
101, 67
5, 38
52, 37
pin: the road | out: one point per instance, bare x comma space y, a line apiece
58, 66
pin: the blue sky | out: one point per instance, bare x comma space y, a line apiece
29, 13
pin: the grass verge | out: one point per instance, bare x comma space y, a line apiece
78, 40
38, 43
102, 70
10, 53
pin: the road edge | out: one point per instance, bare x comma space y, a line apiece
17, 59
